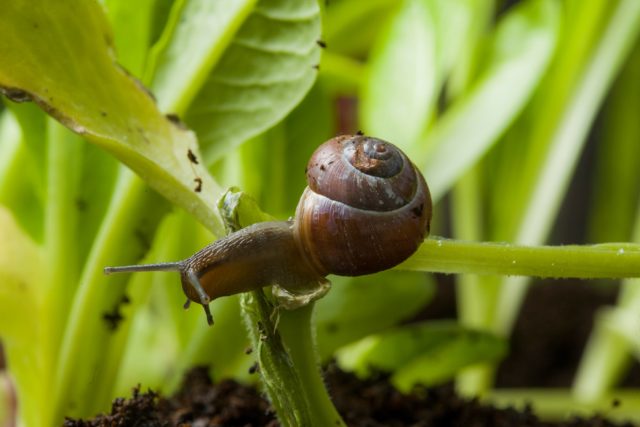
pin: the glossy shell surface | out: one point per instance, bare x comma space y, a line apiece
367, 207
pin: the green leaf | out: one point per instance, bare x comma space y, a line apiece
196, 36
351, 26
22, 272
617, 168
261, 77
523, 45
352, 309
70, 73
403, 83
22, 179
426, 353
133, 25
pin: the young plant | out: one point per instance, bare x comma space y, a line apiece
232, 76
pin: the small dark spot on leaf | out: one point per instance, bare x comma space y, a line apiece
322, 43
248, 350
81, 204
173, 118
331, 328
615, 403
35, 25
192, 157
198, 182
316, 66
359, 133
103, 113
254, 368
113, 318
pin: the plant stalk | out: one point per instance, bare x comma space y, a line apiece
607, 260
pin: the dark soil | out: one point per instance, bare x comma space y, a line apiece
370, 403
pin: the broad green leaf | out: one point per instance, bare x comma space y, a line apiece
404, 79
443, 363
352, 310
264, 73
426, 353
522, 47
60, 57
195, 37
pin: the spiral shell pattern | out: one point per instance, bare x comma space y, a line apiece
367, 207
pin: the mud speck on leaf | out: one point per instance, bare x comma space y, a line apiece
198, 182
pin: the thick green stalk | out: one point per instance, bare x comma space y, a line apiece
607, 260
296, 327
280, 376
64, 152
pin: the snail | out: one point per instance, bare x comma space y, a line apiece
366, 208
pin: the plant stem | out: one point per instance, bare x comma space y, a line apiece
279, 375
559, 403
297, 332
64, 153
608, 260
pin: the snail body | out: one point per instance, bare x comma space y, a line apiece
366, 209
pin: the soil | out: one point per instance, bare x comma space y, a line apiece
545, 349
370, 403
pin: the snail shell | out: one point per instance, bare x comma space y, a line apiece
367, 207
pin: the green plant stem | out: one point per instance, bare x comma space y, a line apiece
280, 377
298, 334
64, 152
608, 260
560, 404
606, 357
133, 211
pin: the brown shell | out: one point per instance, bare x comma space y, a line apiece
367, 207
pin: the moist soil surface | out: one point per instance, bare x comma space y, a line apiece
371, 403
545, 349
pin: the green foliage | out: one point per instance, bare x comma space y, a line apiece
426, 353
495, 104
